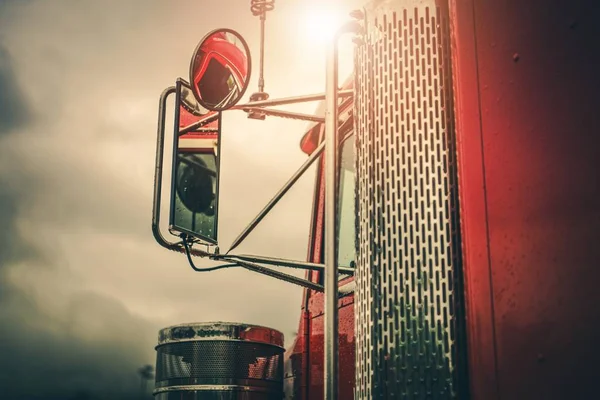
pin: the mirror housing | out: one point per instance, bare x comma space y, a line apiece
220, 70
195, 173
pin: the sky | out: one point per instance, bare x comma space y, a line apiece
84, 288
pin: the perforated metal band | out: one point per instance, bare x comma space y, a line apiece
219, 357
409, 318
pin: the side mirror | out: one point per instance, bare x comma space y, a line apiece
195, 176
220, 69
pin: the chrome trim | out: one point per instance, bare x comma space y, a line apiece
331, 171
331, 274
187, 388
220, 330
208, 339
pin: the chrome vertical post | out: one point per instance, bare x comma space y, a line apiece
331, 267
331, 335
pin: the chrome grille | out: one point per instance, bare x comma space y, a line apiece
206, 361
409, 307
219, 359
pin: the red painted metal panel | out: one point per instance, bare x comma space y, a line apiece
300, 352
308, 351
296, 359
346, 348
477, 274
315, 307
536, 66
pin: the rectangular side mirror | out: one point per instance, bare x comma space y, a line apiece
195, 174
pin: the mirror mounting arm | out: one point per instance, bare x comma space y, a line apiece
272, 273
292, 100
280, 262
283, 114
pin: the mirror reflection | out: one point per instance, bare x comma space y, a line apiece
220, 70
194, 194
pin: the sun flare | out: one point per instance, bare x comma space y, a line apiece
322, 21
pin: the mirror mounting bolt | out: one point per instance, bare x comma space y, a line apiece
258, 96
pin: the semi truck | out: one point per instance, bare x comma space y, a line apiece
453, 242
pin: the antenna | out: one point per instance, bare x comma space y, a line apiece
259, 8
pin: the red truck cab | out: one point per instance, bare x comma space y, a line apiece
524, 89
468, 207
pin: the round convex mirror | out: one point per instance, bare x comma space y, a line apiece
220, 69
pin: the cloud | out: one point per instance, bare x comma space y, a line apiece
13, 108
83, 286
58, 338
95, 347
86, 344
14, 114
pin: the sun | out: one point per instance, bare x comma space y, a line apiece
321, 22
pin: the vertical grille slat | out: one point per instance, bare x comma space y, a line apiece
409, 320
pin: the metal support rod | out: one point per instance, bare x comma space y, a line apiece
331, 163
285, 114
288, 263
331, 267
275, 274
201, 130
160, 149
291, 100
261, 78
277, 197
